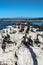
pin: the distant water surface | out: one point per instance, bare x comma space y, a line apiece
37, 23
3, 24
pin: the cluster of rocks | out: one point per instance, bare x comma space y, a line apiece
22, 38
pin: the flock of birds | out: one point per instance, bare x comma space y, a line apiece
31, 36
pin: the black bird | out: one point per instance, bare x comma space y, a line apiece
4, 44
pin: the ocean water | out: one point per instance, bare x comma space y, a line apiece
37, 23
3, 24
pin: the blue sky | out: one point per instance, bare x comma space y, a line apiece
21, 8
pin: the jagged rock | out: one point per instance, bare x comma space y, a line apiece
25, 53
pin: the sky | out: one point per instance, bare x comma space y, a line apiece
21, 8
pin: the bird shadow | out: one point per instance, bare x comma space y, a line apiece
33, 55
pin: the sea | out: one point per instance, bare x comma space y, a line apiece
3, 24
